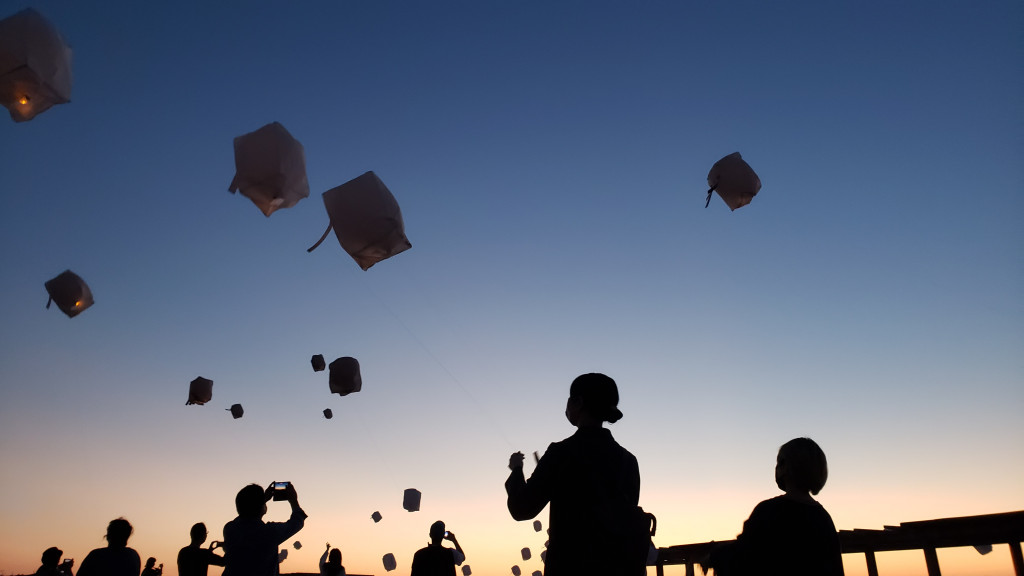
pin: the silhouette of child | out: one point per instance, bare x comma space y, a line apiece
791, 534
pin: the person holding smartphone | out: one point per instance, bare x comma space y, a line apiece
250, 544
194, 560
435, 559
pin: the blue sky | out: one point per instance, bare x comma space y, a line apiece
550, 161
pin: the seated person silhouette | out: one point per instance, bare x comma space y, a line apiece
117, 559
788, 535
194, 560
435, 559
151, 569
250, 544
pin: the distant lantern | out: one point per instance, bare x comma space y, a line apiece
376, 517
516, 571
69, 292
526, 554
366, 219
466, 570
411, 499
328, 413
345, 377
270, 168
236, 411
282, 555
544, 556
200, 391
389, 562
536, 526
35, 65
297, 545
318, 363
537, 573
734, 180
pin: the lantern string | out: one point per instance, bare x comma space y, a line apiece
322, 238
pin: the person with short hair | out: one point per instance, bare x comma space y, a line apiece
250, 544
194, 560
435, 559
151, 569
330, 562
791, 534
51, 564
117, 559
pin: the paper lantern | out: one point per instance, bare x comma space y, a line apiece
318, 363
537, 573
345, 377
734, 180
297, 545
35, 65
526, 554
366, 219
270, 168
69, 292
389, 562
328, 413
466, 570
536, 526
411, 499
516, 571
376, 517
200, 391
236, 411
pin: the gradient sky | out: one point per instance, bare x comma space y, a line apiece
550, 159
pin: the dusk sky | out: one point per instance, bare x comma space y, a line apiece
550, 160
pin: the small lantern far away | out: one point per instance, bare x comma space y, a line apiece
734, 180
270, 168
366, 219
466, 570
69, 292
236, 411
282, 555
544, 556
328, 413
389, 562
376, 517
318, 363
526, 554
536, 526
411, 499
344, 377
35, 65
537, 573
297, 545
200, 391
516, 571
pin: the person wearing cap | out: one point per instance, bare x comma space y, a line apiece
52, 566
435, 559
591, 482
250, 544
194, 560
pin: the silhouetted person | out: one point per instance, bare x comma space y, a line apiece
52, 566
151, 569
117, 559
330, 562
194, 560
591, 482
250, 544
435, 559
791, 534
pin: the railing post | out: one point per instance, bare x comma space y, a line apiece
931, 559
1018, 559
689, 569
869, 555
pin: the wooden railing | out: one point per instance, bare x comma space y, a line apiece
927, 535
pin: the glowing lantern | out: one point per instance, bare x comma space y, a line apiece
200, 391
270, 168
35, 65
70, 292
734, 180
344, 377
366, 219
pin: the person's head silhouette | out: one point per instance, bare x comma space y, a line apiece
801, 467
150, 562
51, 556
198, 533
436, 532
593, 400
334, 557
251, 501
118, 532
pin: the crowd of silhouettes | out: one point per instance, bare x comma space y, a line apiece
592, 487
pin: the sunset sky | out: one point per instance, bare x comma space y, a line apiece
550, 160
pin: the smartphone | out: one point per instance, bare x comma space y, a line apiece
445, 533
279, 488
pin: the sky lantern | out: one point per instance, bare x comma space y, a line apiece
376, 517
344, 376
318, 363
411, 499
328, 413
526, 553
236, 411
69, 292
466, 570
270, 168
35, 65
537, 526
366, 219
200, 391
389, 562
734, 180
297, 545
516, 571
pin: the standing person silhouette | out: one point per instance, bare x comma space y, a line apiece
250, 544
117, 559
151, 569
435, 559
591, 482
194, 560
330, 562
789, 535
52, 566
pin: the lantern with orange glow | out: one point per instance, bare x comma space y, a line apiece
270, 168
35, 65
734, 180
366, 219
70, 292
